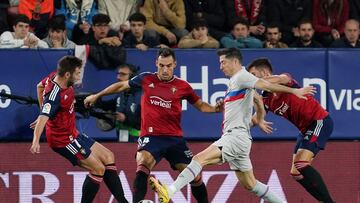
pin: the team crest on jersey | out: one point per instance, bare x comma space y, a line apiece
65, 97
152, 85
173, 89
46, 108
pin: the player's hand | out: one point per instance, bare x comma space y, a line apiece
219, 107
301, 92
90, 100
35, 148
33, 124
265, 126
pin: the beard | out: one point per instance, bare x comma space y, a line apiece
306, 38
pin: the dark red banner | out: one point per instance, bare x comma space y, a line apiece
47, 177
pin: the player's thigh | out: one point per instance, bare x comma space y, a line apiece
92, 164
301, 155
246, 178
102, 153
209, 156
145, 158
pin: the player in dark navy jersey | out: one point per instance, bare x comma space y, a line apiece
57, 114
161, 133
313, 121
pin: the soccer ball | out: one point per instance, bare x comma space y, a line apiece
146, 201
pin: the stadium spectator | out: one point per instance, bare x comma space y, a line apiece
198, 37
211, 10
312, 120
287, 14
354, 9
273, 37
351, 37
329, 17
39, 12
138, 37
21, 37
78, 14
161, 133
119, 12
235, 144
306, 34
252, 11
127, 107
57, 37
167, 17
100, 33
63, 138
240, 37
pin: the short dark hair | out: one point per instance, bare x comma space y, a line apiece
165, 52
21, 18
305, 21
260, 63
137, 17
100, 19
68, 64
134, 69
230, 53
273, 25
57, 23
198, 22
239, 20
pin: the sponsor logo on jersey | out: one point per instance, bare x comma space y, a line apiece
282, 109
46, 108
158, 101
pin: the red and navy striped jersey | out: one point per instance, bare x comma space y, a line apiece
161, 103
299, 112
58, 105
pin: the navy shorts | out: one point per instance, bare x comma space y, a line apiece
316, 135
173, 149
78, 149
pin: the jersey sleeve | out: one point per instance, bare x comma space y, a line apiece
292, 83
247, 80
190, 94
136, 82
51, 103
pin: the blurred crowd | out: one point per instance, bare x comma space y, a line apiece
108, 26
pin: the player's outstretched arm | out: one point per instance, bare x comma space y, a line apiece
278, 79
207, 108
112, 89
299, 92
39, 128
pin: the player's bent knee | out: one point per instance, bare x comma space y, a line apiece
109, 157
301, 164
97, 169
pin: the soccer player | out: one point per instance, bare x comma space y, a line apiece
235, 144
161, 133
313, 121
57, 113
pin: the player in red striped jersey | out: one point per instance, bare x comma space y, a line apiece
313, 121
161, 134
57, 113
